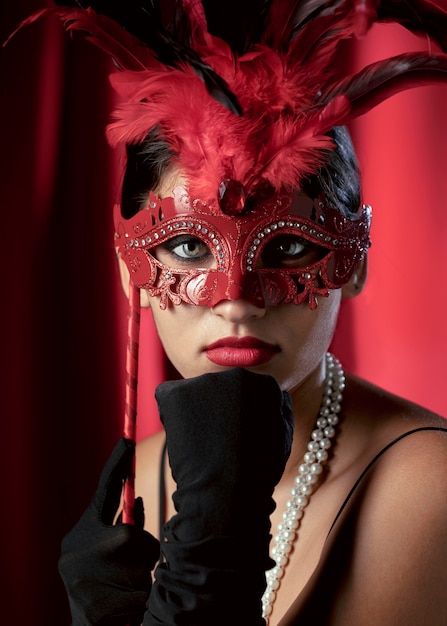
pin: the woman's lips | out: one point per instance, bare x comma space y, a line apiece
240, 352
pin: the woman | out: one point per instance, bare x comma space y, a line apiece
335, 574
241, 226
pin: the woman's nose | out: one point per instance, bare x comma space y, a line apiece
237, 311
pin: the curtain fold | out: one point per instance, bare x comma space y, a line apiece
64, 314
394, 334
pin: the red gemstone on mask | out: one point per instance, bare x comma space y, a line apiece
231, 195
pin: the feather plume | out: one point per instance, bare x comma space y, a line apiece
270, 63
381, 80
143, 20
284, 18
421, 17
285, 84
137, 40
240, 23
318, 44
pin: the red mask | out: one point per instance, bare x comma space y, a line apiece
274, 250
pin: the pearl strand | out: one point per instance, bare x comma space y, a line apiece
307, 479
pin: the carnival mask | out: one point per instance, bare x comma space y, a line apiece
269, 249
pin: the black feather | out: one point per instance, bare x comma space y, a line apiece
381, 80
241, 23
418, 16
144, 20
288, 17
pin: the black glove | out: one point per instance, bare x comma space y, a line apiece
107, 568
229, 436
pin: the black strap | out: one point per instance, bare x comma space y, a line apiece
162, 496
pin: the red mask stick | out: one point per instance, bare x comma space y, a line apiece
130, 416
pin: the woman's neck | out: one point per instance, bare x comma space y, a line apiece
306, 401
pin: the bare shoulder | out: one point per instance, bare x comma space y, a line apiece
399, 498
408, 477
398, 518
376, 417
147, 477
365, 391
384, 559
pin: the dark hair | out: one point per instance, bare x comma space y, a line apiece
339, 178
146, 164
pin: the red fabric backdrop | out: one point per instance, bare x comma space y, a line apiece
64, 316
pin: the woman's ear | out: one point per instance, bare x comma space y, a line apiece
357, 280
125, 277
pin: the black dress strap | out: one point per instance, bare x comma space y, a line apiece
371, 463
162, 496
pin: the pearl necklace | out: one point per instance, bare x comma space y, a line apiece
306, 480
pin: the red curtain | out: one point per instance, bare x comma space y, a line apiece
395, 334
64, 316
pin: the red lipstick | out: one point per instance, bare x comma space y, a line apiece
240, 352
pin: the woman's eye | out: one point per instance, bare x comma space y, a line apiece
289, 251
189, 249
184, 249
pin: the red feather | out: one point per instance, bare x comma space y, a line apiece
286, 85
127, 51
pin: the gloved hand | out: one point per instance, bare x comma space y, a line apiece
229, 436
107, 568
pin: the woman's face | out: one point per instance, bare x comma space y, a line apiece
286, 341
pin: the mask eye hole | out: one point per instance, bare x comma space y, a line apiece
184, 250
289, 251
